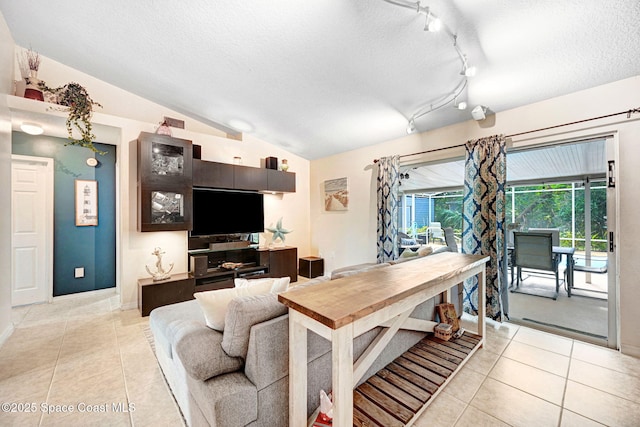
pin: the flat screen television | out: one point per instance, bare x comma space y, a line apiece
218, 212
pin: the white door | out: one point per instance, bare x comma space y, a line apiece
31, 230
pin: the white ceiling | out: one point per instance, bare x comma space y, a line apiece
323, 77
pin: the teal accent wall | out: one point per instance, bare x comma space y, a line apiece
91, 247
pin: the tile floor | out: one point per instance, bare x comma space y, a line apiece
87, 354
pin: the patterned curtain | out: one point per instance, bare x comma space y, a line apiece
388, 203
483, 215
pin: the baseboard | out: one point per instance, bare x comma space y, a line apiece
6, 334
99, 292
129, 306
630, 350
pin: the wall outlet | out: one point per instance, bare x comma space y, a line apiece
79, 272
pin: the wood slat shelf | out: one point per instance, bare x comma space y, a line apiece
399, 393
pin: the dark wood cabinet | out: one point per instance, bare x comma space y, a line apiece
178, 288
248, 178
284, 262
238, 177
164, 183
282, 182
257, 263
213, 174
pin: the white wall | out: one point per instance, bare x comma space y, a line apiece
6, 82
350, 237
119, 122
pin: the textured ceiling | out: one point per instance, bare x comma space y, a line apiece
322, 77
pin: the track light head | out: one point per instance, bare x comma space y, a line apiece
469, 71
432, 23
411, 127
479, 113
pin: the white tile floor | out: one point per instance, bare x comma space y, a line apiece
87, 354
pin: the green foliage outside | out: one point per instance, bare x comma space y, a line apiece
537, 206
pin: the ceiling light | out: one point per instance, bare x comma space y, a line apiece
31, 128
411, 127
469, 71
479, 112
432, 24
240, 125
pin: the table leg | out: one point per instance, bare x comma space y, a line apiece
569, 274
482, 303
297, 371
342, 376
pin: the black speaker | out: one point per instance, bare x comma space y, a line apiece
199, 265
271, 163
197, 151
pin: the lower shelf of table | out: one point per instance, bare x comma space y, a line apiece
400, 392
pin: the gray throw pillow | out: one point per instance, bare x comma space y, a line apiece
199, 349
242, 314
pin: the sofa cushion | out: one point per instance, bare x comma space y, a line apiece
199, 349
162, 318
312, 282
242, 314
425, 250
214, 303
347, 273
279, 284
228, 400
408, 253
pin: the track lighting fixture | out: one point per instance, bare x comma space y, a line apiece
469, 71
432, 24
411, 127
479, 112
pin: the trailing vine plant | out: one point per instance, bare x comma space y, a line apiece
79, 105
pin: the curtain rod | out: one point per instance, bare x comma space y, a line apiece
627, 112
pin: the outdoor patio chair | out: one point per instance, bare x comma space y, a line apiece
555, 234
434, 230
534, 251
450, 238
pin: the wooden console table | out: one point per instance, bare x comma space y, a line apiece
342, 309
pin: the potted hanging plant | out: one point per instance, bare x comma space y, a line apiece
79, 105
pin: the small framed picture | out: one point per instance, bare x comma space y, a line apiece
336, 195
86, 202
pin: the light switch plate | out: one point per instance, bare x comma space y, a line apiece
79, 272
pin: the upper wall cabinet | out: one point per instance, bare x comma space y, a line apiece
237, 177
279, 181
212, 174
164, 183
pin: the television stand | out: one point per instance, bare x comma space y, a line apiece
205, 265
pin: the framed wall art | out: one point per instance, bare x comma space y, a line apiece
86, 202
336, 195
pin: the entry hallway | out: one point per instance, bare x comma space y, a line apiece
86, 351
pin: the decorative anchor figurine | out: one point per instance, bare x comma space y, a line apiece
160, 273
